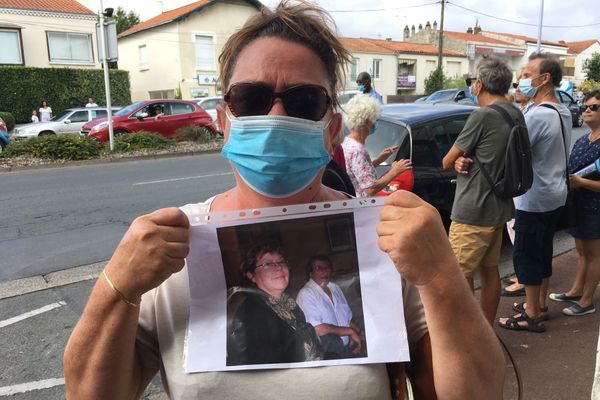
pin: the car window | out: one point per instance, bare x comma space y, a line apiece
60, 116
79, 116
445, 133
426, 152
387, 134
181, 108
129, 108
209, 104
98, 113
565, 98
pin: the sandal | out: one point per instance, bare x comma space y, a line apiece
533, 325
509, 281
520, 308
513, 293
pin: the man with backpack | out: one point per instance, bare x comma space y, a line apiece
485, 182
538, 211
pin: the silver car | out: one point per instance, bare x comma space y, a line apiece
69, 121
209, 104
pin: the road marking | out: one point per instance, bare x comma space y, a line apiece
29, 386
31, 313
182, 179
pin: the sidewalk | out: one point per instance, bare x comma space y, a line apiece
558, 364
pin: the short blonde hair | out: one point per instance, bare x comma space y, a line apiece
360, 110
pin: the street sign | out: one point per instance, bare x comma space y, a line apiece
110, 33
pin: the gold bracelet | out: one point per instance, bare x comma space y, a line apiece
117, 291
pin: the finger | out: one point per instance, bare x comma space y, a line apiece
170, 217
176, 250
403, 198
174, 233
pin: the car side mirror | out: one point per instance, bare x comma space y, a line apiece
67, 121
460, 96
143, 115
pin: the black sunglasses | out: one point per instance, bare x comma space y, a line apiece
302, 101
592, 107
515, 85
469, 80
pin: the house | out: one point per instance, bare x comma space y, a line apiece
579, 52
43, 33
399, 67
175, 53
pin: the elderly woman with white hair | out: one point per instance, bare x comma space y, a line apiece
361, 114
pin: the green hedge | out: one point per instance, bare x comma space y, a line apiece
61, 147
8, 119
24, 88
140, 140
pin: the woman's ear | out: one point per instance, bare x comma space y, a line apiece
333, 129
250, 277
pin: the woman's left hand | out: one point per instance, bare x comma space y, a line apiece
385, 153
575, 181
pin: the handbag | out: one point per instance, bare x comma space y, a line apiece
568, 216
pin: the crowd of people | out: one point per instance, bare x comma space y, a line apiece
135, 322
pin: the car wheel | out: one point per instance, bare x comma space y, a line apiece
46, 133
208, 133
579, 121
119, 132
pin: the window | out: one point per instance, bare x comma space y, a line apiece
99, 113
452, 69
79, 116
143, 56
209, 104
70, 47
354, 69
386, 135
205, 53
376, 68
162, 94
181, 108
10, 43
430, 66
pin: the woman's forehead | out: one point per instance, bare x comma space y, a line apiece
280, 63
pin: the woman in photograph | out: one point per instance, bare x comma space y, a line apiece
45, 112
277, 143
268, 326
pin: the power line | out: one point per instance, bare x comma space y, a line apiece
384, 9
520, 22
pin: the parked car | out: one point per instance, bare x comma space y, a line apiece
4, 140
456, 96
572, 105
69, 121
209, 104
141, 116
346, 95
425, 133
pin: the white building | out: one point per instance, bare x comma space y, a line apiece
579, 53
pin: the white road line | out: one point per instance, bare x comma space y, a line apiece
29, 386
31, 313
182, 179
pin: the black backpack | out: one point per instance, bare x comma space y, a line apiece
516, 175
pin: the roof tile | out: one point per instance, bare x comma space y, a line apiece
527, 39
391, 47
580, 46
67, 6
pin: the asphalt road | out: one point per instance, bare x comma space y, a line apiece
58, 218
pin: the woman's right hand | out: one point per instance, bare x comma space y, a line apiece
400, 166
153, 248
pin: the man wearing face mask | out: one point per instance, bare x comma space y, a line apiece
549, 125
363, 80
478, 215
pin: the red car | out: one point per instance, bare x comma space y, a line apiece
162, 116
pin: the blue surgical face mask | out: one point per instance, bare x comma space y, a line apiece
361, 88
472, 96
277, 156
526, 88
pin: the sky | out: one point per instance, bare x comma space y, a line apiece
568, 20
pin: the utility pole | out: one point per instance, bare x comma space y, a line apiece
539, 38
104, 53
441, 42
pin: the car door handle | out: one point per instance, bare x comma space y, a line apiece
453, 181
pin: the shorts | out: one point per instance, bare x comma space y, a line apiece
588, 225
475, 246
532, 253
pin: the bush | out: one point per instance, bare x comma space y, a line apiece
140, 141
585, 86
8, 119
193, 133
456, 82
62, 147
24, 88
435, 81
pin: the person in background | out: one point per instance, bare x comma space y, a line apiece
34, 117
45, 112
478, 214
3, 127
91, 103
360, 117
268, 68
539, 209
363, 80
587, 210
335, 175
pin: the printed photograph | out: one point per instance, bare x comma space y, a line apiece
293, 291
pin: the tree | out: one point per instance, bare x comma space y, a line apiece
435, 81
592, 68
125, 20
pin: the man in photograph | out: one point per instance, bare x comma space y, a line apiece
326, 308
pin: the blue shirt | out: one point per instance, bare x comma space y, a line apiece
373, 93
583, 154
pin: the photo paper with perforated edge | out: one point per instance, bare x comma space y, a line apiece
344, 231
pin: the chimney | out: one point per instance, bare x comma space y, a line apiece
477, 30
388, 39
406, 33
470, 30
420, 27
427, 26
412, 31
435, 25
562, 42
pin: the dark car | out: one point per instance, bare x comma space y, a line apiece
572, 105
450, 96
162, 116
425, 133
